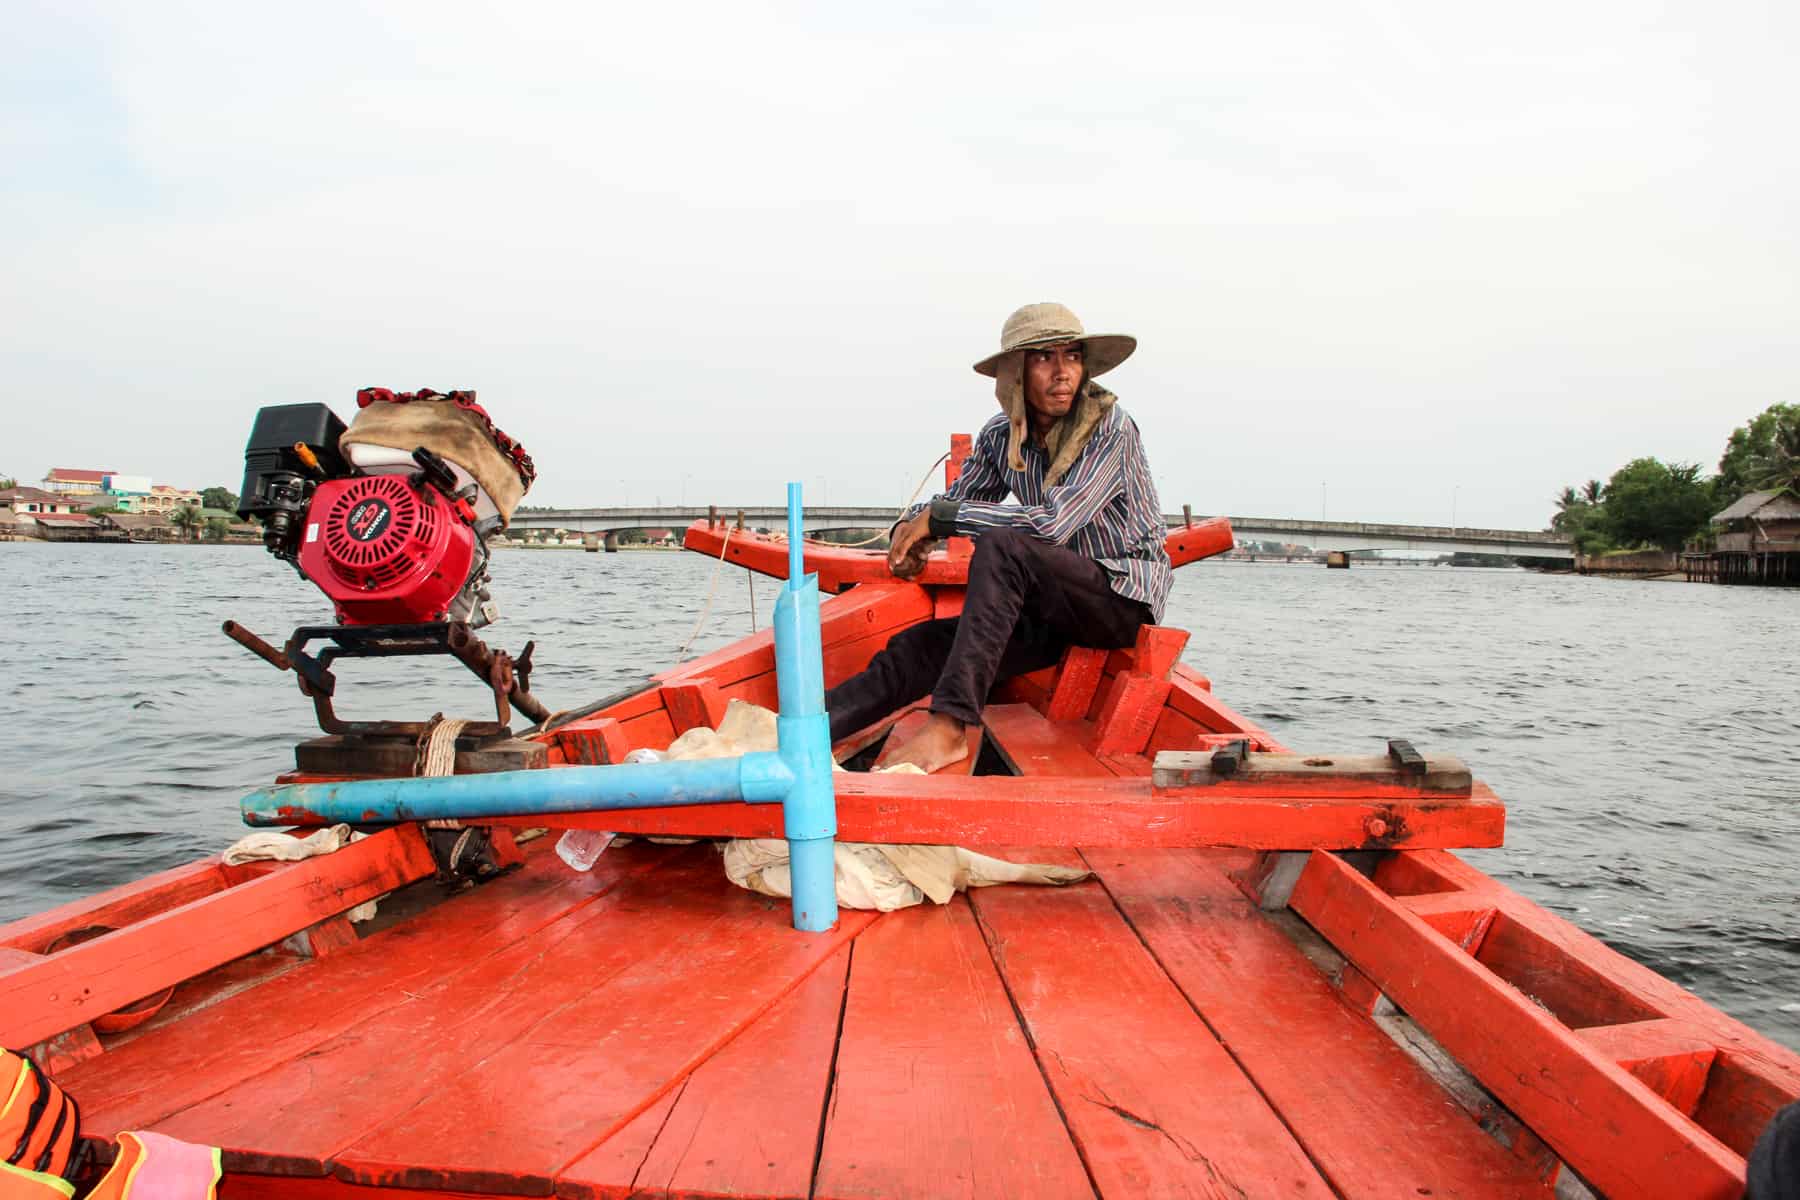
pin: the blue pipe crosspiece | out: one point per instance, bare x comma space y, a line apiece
797, 773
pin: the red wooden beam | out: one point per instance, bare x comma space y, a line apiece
1671, 1056
117, 907
1007, 811
693, 702
839, 567
1751, 1076
1618, 1133
62, 990
1077, 681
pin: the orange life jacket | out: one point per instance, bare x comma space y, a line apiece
39, 1124
153, 1167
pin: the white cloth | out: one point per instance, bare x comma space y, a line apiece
869, 876
267, 845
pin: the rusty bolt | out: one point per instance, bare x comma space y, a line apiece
1376, 827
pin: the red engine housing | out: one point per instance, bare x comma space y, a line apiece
386, 552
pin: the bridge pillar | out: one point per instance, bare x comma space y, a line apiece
1337, 558
611, 541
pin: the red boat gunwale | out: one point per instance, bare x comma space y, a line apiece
1182, 1023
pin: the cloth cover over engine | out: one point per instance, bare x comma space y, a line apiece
452, 426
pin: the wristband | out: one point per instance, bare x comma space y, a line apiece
942, 521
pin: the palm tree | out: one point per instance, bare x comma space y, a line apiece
1572, 507
187, 518
1592, 491
1779, 466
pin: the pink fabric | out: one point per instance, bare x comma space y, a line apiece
172, 1170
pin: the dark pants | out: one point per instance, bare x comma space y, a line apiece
1027, 602
1773, 1172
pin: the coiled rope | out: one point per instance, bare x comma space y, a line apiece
437, 757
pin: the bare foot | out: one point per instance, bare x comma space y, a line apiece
941, 742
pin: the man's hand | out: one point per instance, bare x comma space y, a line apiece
910, 544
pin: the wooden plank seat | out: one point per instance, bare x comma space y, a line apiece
1009, 811
1105, 810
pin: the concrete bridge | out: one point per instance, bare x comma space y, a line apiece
1353, 536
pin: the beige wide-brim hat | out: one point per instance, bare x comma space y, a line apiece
1050, 325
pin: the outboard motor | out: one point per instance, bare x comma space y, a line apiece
390, 517
393, 534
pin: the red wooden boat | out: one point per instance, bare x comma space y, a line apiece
1280, 982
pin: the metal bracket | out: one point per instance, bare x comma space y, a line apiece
1407, 759
508, 677
1228, 758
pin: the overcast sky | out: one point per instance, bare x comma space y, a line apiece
1408, 255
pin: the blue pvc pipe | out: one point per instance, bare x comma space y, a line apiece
759, 778
796, 534
809, 811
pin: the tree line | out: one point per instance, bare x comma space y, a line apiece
1649, 503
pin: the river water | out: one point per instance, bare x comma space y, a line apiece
1646, 736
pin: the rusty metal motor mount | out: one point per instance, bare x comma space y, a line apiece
509, 678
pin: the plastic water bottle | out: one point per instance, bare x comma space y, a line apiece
581, 848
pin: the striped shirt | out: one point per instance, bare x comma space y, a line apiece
1105, 507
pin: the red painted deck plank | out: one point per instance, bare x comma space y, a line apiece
1033, 744
294, 1117
1612, 1128
626, 1008
936, 1091
72, 986
1373, 1121
210, 1051
1156, 1105
745, 1123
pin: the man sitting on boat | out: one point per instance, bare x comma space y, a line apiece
1078, 559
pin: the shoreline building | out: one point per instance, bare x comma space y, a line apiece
72, 482
35, 500
125, 491
128, 493
1755, 541
164, 499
